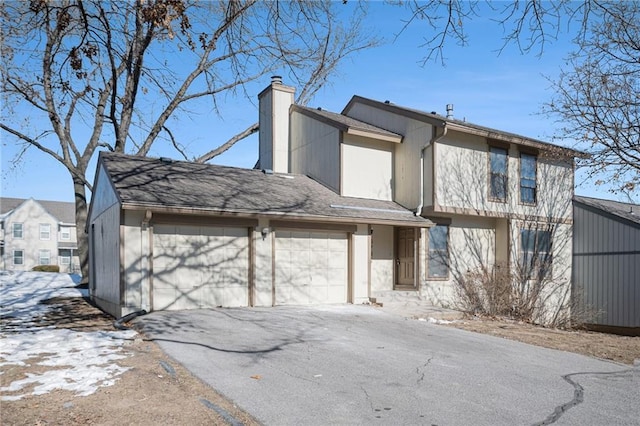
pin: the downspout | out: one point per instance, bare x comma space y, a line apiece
433, 140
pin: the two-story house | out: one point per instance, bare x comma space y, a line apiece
340, 208
37, 232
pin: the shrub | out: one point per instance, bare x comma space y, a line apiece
46, 268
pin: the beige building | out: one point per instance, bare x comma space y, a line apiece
37, 232
342, 207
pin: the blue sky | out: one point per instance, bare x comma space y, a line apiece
503, 91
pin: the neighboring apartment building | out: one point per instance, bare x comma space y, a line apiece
36, 232
480, 198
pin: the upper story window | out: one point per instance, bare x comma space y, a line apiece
498, 169
528, 168
438, 252
17, 230
45, 231
18, 257
65, 233
535, 256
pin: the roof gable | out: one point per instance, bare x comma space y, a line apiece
348, 124
61, 211
461, 126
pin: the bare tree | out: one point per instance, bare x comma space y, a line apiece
597, 98
530, 24
83, 75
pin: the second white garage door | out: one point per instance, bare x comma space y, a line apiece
199, 267
311, 267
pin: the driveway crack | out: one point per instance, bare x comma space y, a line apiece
420, 371
578, 395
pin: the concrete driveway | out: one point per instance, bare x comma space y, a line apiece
353, 365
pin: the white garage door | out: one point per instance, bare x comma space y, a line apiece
199, 267
311, 267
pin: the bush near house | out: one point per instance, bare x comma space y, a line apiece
46, 268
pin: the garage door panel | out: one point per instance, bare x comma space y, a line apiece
318, 293
308, 265
337, 276
200, 267
337, 294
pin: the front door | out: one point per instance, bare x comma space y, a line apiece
405, 257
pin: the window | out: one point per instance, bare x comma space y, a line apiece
17, 230
65, 233
45, 231
18, 257
65, 256
45, 257
536, 257
438, 252
498, 173
528, 166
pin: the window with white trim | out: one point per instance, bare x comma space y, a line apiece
18, 257
65, 233
45, 231
64, 256
45, 257
17, 230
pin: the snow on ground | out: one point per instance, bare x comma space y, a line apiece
78, 361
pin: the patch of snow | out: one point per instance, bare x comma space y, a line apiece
438, 321
81, 361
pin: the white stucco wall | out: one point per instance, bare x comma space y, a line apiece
263, 273
382, 258
360, 248
136, 261
472, 243
367, 168
416, 134
462, 180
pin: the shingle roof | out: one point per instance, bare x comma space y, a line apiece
154, 183
64, 211
626, 211
345, 122
440, 120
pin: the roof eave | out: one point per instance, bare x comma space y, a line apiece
302, 217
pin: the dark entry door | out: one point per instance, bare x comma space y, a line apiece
405, 257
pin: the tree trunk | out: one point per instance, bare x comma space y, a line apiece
81, 225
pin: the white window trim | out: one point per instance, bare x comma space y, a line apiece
13, 232
48, 232
13, 257
48, 252
65, 233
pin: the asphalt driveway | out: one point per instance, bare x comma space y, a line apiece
353, 365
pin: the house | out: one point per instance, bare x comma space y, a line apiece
38, 232
606, 264
342, 207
